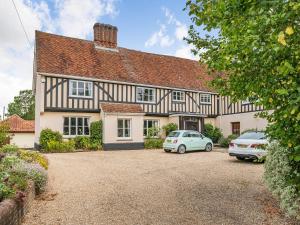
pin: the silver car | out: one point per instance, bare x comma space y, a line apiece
250, 145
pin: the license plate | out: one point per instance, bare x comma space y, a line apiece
242, 146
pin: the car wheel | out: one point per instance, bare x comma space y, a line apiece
167, 150
208, 147
240, 158
181, 149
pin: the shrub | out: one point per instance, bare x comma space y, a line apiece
152, 143
170, 127
56, 146
94, 146
279, 171
82, 142
9, 149
96, 132
4, 136
6, 191
48, 135
34, 172
212, 132
153, 132
33, 157
224, 142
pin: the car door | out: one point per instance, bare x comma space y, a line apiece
187, 140
198, 142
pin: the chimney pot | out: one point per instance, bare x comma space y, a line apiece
105, 35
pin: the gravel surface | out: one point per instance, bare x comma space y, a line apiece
153, 187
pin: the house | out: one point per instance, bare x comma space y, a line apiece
79, 81
21, 131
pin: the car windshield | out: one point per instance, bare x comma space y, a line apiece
174, 134
252, 135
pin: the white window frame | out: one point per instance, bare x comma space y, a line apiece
85, 83
175, 95
76, 126
143, 90
208, 96
148, 127
123, 128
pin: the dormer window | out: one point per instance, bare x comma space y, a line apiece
80, 89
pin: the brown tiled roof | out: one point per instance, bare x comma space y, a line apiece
18, 125
70, 56
121, 108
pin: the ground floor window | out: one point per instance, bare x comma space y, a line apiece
76, 126
150, 124
124, 128
235, 128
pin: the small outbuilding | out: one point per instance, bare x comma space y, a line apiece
21, 131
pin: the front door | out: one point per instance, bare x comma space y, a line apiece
191, 125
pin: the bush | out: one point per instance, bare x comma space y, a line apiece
212, 132
56, 146
279, 171
9, 149
33, 157
48, 135
96, 132
170, 127
152, 143
82, 142
34, 172
224, 142
6, 191
4, 136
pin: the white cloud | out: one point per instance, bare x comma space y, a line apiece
185, 52
160, 37
72, 17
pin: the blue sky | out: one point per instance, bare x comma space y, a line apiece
156, 26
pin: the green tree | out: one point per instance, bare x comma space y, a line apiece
255, 54
23, 105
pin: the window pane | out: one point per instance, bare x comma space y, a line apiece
120, 132
80, 84
127, 132
73, 121
145, 132
79, 130
86, 130
88, 89
66, 121
79, 121
74, 84
86, 122
66, 130
74, 91
80, 91
127, 123
73, 130
120, 124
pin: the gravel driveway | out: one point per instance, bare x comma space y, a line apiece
153, 187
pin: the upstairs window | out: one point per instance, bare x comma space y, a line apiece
81, 88
145, 95
205, 98
74, 126
178, 96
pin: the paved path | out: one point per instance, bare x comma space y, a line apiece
153, 187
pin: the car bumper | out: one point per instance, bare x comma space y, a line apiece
247, 153
170, 147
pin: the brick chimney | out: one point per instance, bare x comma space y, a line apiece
105, 35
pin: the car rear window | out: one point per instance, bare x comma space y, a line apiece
252, 135
174, 134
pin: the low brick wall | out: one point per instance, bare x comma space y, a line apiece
12, 212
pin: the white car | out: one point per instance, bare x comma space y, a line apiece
187, 140
250, 145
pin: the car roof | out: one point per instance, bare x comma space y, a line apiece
186, 131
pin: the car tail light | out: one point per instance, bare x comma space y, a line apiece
175, 141
231, 144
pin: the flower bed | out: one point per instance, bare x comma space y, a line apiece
18, 169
